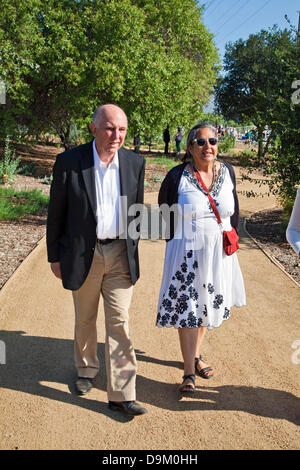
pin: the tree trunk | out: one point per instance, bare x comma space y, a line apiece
137, 143
260, 143
64, 136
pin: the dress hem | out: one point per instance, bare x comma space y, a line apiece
209, 327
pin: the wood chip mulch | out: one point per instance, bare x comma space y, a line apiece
266, 227
19, 238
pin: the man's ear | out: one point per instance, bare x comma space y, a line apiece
92, 128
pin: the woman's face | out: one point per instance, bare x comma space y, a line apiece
208, 152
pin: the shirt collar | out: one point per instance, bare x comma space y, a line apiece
98, 162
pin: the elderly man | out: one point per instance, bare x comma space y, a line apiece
90, 249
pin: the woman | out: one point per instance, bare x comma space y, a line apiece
200, 282
293, 229
178, 140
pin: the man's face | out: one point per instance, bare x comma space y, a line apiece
110, 131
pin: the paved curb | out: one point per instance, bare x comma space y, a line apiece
39, 246
271, 258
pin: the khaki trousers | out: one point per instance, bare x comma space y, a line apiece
109, 276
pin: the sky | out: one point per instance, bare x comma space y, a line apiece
230, 20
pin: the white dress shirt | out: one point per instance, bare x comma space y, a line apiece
107, 181
293, 230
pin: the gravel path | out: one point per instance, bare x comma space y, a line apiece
19, 238
253, 401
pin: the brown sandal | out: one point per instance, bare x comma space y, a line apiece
202, 372
189, 388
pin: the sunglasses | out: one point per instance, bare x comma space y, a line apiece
202, 142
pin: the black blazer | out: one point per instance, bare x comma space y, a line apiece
168, 194
71, 223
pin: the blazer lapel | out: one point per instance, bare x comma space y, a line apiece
123, 171
125, 182
88, 174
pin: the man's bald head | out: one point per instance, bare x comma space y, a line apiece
105, 111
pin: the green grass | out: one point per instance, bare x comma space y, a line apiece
168, 163
14, 204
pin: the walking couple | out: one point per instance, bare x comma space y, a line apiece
88, 253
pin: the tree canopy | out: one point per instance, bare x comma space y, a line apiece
257, 86
60, 59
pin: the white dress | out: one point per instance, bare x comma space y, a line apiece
200, 282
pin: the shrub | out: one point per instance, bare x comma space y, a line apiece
226, 143
9, 164
29, 169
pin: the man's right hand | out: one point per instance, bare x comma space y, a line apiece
55, 268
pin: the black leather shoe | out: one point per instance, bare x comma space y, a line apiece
83, 385
131, 408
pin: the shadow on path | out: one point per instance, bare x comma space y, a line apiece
31, 360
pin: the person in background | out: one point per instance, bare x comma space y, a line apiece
178, 140
293, 229
166, 136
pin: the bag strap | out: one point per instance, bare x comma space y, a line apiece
213, 205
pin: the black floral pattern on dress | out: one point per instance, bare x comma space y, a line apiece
210, 288
172, 292
226, 313
184, 267
218, 301
181, 304
174, 309
167, 304
164, 319
179, 276
193, 293
174, 319
189, 279
192, 320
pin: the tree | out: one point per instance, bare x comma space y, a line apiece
258, 87
54, 88
256, 72
189, 61
18, 38
158, 65
283, 161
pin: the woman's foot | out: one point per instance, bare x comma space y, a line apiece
202, 368
188, 384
